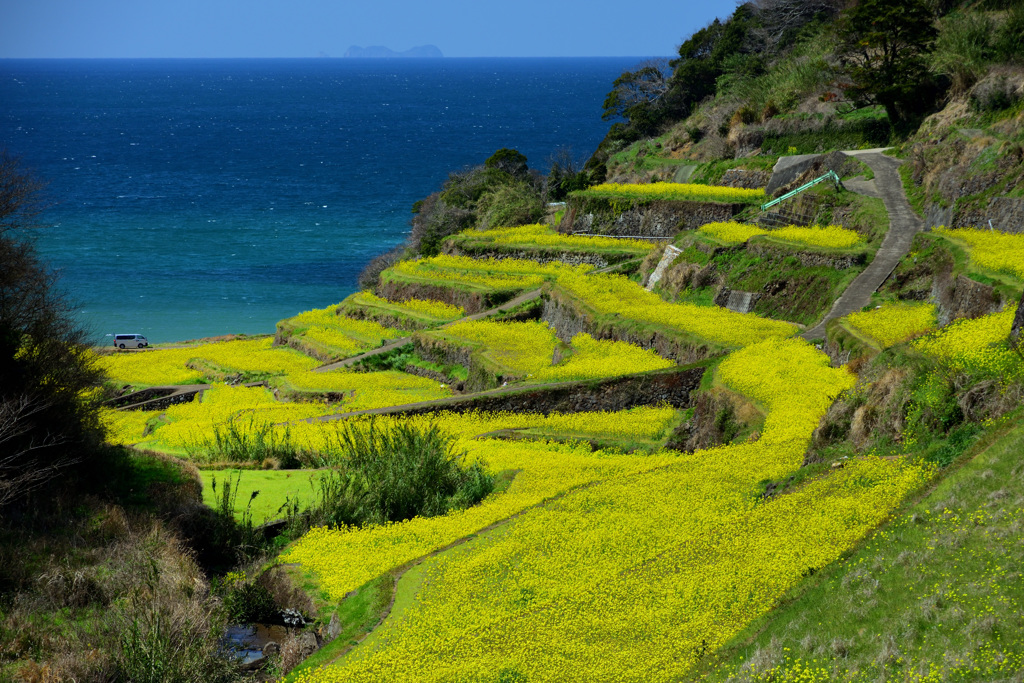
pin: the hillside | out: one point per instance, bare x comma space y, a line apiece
632, 421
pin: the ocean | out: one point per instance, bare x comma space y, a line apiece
191, 198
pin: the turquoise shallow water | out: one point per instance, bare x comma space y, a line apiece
190, 198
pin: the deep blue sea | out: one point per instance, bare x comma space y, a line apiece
190, 198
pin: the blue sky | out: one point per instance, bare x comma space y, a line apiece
307, 28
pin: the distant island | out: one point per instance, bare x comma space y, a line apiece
380, 52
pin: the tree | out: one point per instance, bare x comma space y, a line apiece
636, 95
47, 424
781, 20
510, 161
885, 44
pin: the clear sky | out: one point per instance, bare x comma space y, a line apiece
308, 28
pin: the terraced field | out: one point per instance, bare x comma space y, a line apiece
610, 552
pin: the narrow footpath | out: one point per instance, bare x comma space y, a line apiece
903, 225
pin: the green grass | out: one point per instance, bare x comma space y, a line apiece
915, 194
937, 587
358, 614
274, 486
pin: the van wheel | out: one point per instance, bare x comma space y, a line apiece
140, 346
122, 346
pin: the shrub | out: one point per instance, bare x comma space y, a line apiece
397, 473
512, 204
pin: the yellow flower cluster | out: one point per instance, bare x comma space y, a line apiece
483, 273
522, 347
991, 249
633, 577
816, 236
191, 426
689, 192
977, 345
894, 323
527, 236
169, 366
731, 232
365, 390
595, 358
433, 309
619, 296
338, 333
125, 427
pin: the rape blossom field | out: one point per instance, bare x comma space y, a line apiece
894, 323
989, 249
542, 236
602, 582
594, 563
688, 192
832, 236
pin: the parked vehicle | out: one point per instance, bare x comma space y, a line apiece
131, 341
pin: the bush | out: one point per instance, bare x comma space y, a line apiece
510, 205
964, 49
1009, 42
396, 474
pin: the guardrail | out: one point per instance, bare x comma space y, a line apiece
831, 175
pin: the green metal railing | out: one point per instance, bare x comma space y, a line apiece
831, 175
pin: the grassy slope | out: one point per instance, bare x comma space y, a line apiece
274, 487
937, 589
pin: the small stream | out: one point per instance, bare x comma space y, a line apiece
247, 641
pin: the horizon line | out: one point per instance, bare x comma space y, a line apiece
356, 59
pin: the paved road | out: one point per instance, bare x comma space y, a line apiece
903, 225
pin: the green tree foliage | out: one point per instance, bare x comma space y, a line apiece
885, 45
502, 191
510, 161
647, 100
566, 176
47, 425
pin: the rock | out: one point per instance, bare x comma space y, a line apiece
333, 627
297, 648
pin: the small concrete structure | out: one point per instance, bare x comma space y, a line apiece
670, 255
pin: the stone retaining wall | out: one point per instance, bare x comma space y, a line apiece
540, 256
625, 217
672, 387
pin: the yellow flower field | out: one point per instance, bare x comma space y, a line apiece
484, 273
990, 249
433, 309
674, 191
816, 236
544, 236
617, 295
632, 578
168, 366
594, 359
365, 390
976, 345
523, 347
894, 323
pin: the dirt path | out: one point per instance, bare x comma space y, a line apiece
903, 225
397, 343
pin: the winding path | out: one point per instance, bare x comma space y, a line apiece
903, 225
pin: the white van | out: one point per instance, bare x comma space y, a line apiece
131, 341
